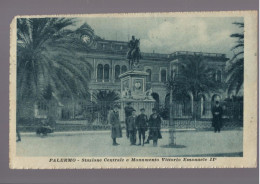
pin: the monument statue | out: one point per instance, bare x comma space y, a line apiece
126, 93
134, 53
148, 94
133, 82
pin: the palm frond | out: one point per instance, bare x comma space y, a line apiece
235, 67
240, 24
47, 55
194, 77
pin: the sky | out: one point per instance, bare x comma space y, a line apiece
170, 34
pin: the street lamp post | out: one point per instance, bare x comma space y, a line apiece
171, 122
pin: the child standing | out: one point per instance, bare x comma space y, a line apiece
141, 125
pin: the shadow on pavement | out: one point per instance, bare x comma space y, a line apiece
173, 146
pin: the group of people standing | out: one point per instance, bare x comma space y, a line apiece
141, 123
136, 123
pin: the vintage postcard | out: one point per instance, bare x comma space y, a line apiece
145, 90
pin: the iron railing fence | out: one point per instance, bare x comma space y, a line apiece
201, 110
185, 114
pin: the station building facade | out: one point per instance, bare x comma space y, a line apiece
108, 60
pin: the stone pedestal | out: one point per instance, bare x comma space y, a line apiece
133, 89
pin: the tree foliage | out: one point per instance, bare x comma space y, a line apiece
193, 77
48, 56
104, 101
47, 92
235, 66
107, 96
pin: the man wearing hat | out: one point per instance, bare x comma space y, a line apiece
131, 121
154, 127
128, 112
141, 125
217, 117
116, 131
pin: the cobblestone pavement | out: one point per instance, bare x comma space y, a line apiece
99, 144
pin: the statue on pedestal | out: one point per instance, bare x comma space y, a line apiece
126, 93
148, 94
134, 53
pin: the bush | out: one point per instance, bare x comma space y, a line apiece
164, 113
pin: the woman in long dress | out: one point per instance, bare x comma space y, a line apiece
154, 127
116, 130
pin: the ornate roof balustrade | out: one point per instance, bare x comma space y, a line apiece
121, 48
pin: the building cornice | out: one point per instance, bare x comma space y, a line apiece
105, 54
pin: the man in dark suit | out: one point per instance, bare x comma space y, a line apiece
141, 125
128, 112
217, 112
131, 121
18, 134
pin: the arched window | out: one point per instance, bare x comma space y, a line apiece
215, 98
117, 72
42, 106
106, 73
186, 108
90, 74
163, 75
214, 76
172, 72
100, 73
156, 97
149, 77
124, 69
218, 76
203, 105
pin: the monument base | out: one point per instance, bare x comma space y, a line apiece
133, 89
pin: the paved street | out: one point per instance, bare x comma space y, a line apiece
99, 143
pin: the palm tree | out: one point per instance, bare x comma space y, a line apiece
47, 53
194, 78
105, 99
50, 55
235, 66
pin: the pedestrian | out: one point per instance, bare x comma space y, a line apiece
116, 131
45, 128
154, 127
128, 112
217, 112
141, 125
18, 134
131, 121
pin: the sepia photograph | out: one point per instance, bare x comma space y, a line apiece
139, 88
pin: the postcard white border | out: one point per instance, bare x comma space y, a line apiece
249, 159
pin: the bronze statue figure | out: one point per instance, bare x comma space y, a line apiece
134, 53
